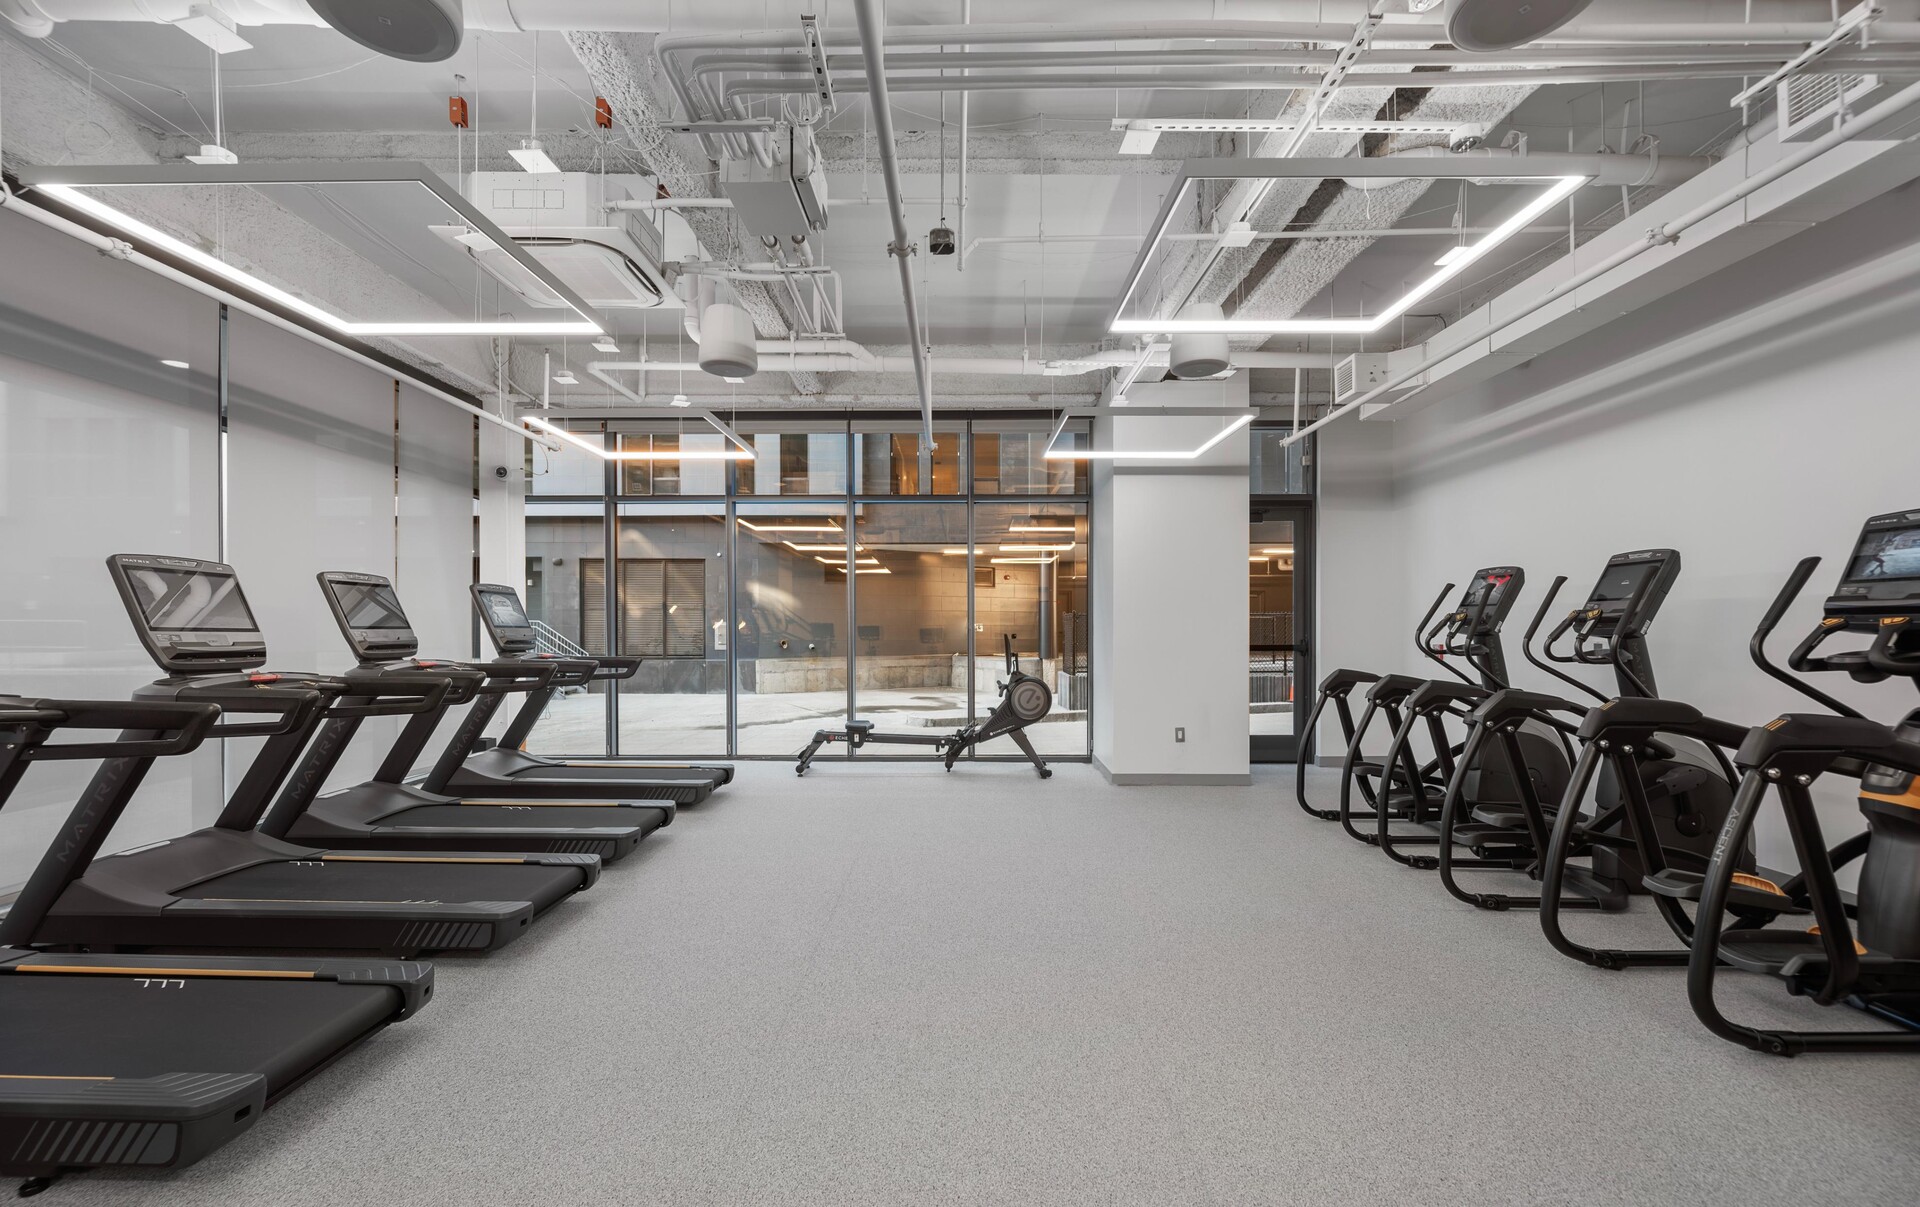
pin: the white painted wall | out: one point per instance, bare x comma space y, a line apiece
1744, 433
105, 450
1170, 594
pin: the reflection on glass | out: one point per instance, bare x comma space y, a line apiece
794, 458
673, 613
664, 474
1270, 638
1009, 458
790, 624
569, 614
887, 459
1030, 584
1278, 468
571, 471
910, 595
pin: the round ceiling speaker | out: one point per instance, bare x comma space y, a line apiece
728, 343
420, 31
1504, 24
1199, 355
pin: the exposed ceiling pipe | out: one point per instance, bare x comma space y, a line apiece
1572, 56
1660, 236
874, 46
845, 356
1213, 82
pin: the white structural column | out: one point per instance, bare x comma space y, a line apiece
502, 509
1170, 593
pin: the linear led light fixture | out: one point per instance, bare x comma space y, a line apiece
1452, 167
841, 561
818, 548
70, 186
1023, 561
1039, 528
791, 527
740, 452
1239, 417
1035, 548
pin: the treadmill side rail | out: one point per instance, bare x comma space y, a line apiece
49, 1124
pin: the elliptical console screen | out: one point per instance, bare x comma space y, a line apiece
1488, 591
190, 601
369, 605
1886, 553
1618, 583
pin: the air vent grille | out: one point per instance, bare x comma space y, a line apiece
1809, 103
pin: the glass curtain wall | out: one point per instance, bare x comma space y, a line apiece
790, 624
837, 574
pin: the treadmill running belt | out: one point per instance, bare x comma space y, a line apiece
112, 1026
358, 880
484, 817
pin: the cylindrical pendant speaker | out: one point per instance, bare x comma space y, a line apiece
1199, 355
727, 341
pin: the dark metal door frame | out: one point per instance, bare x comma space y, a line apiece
1284, 748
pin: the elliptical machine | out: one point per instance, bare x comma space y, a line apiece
1024, 699
1864, 952
1538, 757
1658, 803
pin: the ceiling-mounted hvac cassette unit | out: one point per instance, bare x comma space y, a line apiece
610, 258
1809, 104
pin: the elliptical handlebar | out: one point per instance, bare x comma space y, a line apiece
1526, 642
1423, 636
1799, 660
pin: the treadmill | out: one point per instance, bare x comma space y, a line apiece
152, 1062
508, 771
387, 812
230, 886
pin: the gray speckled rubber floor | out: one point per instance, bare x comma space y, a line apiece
888, 985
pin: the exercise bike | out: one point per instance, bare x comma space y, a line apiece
1024, 699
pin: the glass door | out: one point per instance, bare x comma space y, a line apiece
1279, 591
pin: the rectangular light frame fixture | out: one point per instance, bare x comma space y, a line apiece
1239, 417
1464, 167
1040, 528
533, 158
739, 452
1253, 125
69, 185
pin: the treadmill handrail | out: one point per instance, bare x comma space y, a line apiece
298, 703
404, 693
184, 726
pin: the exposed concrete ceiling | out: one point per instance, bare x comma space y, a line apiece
1058, 209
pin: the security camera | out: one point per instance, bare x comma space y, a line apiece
1465, 138
500, 472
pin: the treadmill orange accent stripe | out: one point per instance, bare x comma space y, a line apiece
46, 1077
417, 859
316, 901
290, 974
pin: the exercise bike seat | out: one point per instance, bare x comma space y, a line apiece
859, 726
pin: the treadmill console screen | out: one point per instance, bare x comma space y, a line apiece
504, 610
1886, 553
369, 605
190, 601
